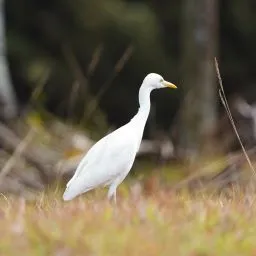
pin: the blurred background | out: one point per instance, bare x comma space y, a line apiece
71, 70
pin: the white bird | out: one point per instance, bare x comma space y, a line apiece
109, 161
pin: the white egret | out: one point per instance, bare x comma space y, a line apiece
109, 161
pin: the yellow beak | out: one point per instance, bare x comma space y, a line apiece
170, 85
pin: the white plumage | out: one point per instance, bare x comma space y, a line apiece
109, 161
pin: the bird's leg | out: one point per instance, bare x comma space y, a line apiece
114, 197
112, 193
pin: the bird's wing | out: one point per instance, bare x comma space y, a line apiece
110, 147
93, 153
116, 161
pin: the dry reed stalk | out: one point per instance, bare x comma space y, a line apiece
226, 106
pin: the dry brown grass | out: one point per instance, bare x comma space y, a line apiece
161, 223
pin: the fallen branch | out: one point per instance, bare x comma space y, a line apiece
16, 154
10, 142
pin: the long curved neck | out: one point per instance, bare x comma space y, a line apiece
144, 101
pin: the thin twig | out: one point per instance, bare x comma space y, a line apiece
81, 79
226, 106
40, 86
74, 65
95, 60
92, 106
73, 96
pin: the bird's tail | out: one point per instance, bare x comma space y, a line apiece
74, 189
69, 195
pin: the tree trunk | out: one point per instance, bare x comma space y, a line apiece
7, 95
198, 110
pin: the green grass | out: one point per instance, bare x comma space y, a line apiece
159, 223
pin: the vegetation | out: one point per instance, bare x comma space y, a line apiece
161, 223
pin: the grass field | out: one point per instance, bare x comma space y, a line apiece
159, 223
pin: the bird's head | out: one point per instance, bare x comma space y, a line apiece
156, 81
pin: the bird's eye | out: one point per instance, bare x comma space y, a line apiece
161, 80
